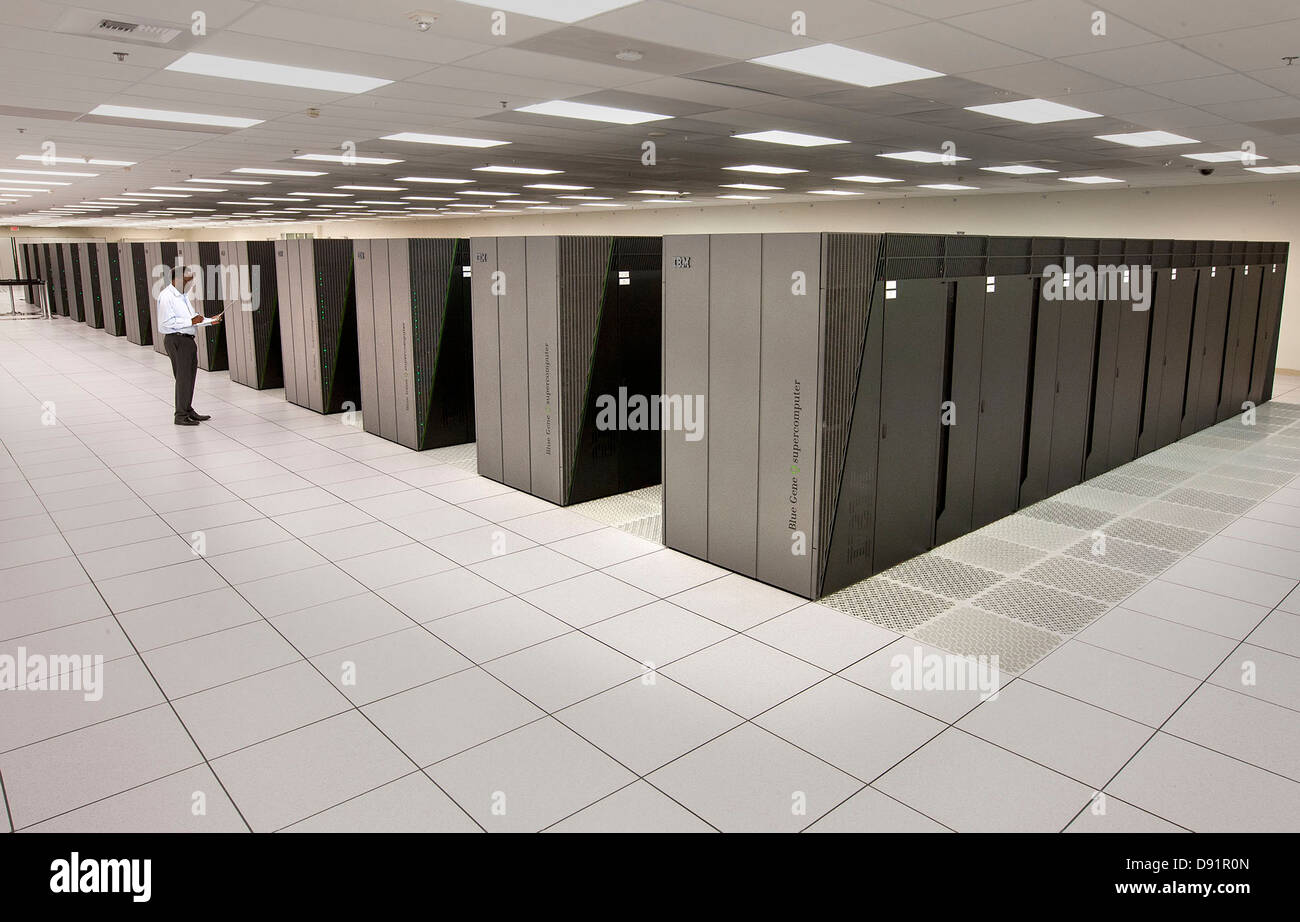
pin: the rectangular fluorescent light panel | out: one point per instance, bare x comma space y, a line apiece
446, 140
1089, 180
1273, 170
1227, 156
752, 186
347, 159
746, 197
947, 186
1016, 169
793, 138
233, 182
437, 179
212, 65
557, 187
760, 168
1147, 138
563, 108
41, 158
168, 115
832, 192
871, 179
922, 156
43, 173
373, 188
267, 171
845, 65
522, 170
1033, 111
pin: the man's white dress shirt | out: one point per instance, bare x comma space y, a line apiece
175, 315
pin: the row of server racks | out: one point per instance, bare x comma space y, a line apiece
825, 405
871, 396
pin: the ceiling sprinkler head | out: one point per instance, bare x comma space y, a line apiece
121, 55
629, 54
313, 112
1291, 59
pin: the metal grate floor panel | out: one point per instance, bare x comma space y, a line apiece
1041, 606
888, 604
990, 553
942, 576
1086, 578
974, 632
1127, 555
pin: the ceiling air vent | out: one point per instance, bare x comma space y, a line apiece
135, 31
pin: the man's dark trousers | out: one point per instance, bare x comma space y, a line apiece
184, 353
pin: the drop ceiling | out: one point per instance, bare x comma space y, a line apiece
1213, 71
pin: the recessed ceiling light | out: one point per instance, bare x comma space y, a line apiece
463, 205
922, 156
154, 195
558, 187
746, 197
832, 192
602, 204
437, 179
33, 182
555, 10
447, 140
271, 171
845, 65
564, 108
793, 138
1017, 169
1089, 180
1033, 111
373, 188
365, 201
1227, 156
270, 198
41, 158
754, 186
186, 189
322, 194
666, 201
168, 115
546, 208
1273, 170
11, 194
871, 179
653, 192
529, 201
212, 65
947, 186
1146, 138
234, 182
44, 173
347, 159
485, 192
760, 168
427, 198
136, 197
522, 170
586, 198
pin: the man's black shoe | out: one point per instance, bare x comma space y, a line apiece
186, 422
200, 417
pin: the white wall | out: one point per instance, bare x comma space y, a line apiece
1221, 211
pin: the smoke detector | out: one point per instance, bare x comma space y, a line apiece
629, 54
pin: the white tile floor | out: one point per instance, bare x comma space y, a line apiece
372, 639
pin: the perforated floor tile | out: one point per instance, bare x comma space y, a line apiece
1214, 483
638, 512
1124, 483
973, 632
942, 576
1204, 499
462, 456
1127, 555
1086, 578
1156, 472
1033, 532
888, 604
1064, 513
1041, 606
1253, 474
1185, 516
1102, 500
991, 553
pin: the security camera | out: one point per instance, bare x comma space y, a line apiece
1207, 171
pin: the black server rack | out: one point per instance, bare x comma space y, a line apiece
110, 288
318, 324
57, 257
72, 281
207, 296
137, 315
252, 322
91, 287
160, 259
414, 340
872, 396
566, 334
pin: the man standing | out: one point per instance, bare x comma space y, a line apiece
177, 320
